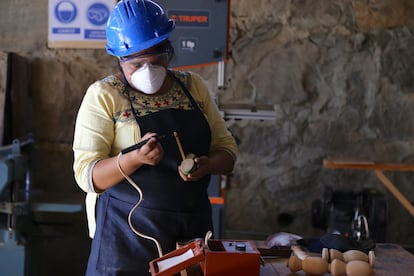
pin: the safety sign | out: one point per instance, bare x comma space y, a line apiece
78, 23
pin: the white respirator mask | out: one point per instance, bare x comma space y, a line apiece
149, 78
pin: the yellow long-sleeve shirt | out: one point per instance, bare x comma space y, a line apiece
105, 125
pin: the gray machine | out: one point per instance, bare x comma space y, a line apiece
18, 206
23, 210
14, 199
201, 33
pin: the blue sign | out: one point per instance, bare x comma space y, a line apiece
66, 30
98, 14
95, 34
78, 23
66, 11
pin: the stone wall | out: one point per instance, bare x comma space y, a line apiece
338, 74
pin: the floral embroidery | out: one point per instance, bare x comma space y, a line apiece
145, 105
127, 114
123, 116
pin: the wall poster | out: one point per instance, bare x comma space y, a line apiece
78, 23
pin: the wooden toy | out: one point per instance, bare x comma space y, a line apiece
188, 164
352, 268
350, 263
352, 255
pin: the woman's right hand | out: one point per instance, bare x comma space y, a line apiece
106, 172
152, 152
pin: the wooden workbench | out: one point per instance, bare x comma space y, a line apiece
391, 259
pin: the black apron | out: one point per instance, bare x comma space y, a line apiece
171, 210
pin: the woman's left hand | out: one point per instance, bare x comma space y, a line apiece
202, 169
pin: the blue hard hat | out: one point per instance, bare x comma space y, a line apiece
136, 25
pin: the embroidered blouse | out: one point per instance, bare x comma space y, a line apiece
105, 124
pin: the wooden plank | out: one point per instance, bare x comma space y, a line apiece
21, 101
398, 195
3, 83
77, 44
392, 259
352, 163
15, 103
